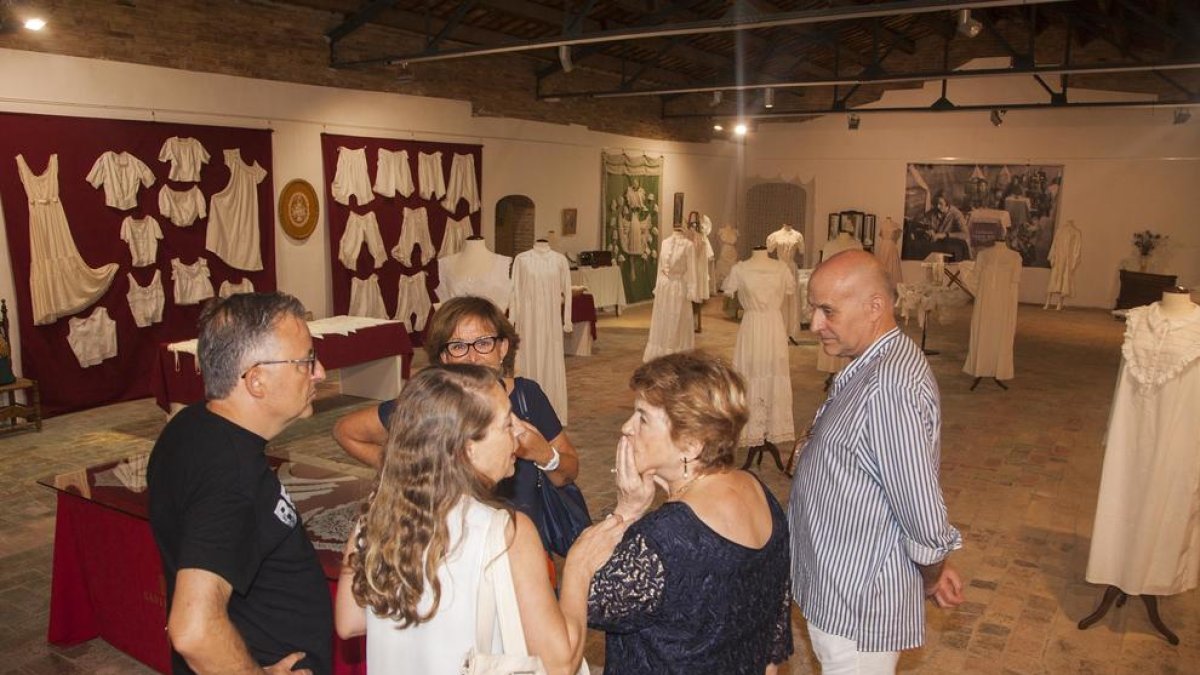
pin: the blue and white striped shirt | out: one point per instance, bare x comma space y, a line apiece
866, 504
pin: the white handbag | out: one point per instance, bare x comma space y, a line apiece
498, 599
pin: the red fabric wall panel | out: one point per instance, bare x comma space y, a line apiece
389, 212
78, 142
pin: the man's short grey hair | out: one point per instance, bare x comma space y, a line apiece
233, 330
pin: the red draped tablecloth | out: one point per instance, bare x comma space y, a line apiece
583, 308
176, 379
107, 577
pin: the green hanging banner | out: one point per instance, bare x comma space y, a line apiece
632, 194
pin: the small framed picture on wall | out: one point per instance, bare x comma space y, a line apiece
569, 218
835, 224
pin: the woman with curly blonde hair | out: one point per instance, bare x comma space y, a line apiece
412, 569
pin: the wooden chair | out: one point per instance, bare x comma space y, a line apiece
30, 412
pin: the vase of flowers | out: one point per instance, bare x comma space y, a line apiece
1145, 242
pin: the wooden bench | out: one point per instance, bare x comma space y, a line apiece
10, 410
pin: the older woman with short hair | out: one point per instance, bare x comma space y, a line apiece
700, 584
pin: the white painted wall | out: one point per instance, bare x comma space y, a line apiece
557, 166
1126, 170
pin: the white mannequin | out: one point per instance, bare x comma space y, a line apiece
844, 241
1176, 303
475, 271
759, 257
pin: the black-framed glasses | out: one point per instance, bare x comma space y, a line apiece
310, 361
483, 345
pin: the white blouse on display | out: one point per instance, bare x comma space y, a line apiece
142, 235
187, 157
146, 302
122, 175
94, 338
192, 283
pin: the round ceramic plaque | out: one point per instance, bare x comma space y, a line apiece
298, 209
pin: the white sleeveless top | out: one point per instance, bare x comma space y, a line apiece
440, 645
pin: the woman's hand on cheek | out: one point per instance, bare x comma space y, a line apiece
635, 492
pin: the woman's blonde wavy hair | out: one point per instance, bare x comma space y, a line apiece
404, 535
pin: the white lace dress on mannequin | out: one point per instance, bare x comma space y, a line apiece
727, 256
787, 244
887, 251
994, 319
489, 280
674, 291
60, 282
1146, 537
1064, 259
541, 311
760, 353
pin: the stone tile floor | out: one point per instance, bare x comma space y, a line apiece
1020, 471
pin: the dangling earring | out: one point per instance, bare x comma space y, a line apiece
686, 472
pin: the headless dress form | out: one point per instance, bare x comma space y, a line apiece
727, 255
763, 287
476, 271
788, 244
541, 312
994, 318
674, 289
60, 282
1146, 539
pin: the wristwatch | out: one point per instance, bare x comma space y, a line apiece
553, 463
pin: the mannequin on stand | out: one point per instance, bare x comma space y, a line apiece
674, 290
475, 271
764, 287
826, 363
703, 252
994, 319
787, 244
727, 256
887, 249
1144, 540
541, 312
1064, 260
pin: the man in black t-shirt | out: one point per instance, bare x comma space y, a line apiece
244, 587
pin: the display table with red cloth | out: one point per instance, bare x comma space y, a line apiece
175, 379
107, 576
583, 319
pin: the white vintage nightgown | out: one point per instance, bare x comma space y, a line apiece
674, 291
994, 319
760, 353
1146, 537
233, 215
787, 245
541, 311
60, 282
1064, 259
490, 281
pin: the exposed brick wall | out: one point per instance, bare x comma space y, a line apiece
281, 42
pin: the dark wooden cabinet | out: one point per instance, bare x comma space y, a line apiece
1142, 288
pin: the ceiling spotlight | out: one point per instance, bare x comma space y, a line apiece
564, 58
997, 116
1182, 115
769, 98
740, 129
853, 121
35, 23
718, 127
716, 99
967, 26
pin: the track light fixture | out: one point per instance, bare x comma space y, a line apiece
716, 98
769, 98
35, 23
966, 25
740, 129
1182, 115
718, 127
997, 116
852, 121
564, 58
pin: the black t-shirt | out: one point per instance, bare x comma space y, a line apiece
216, 505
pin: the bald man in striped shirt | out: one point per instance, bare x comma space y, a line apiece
870, 536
